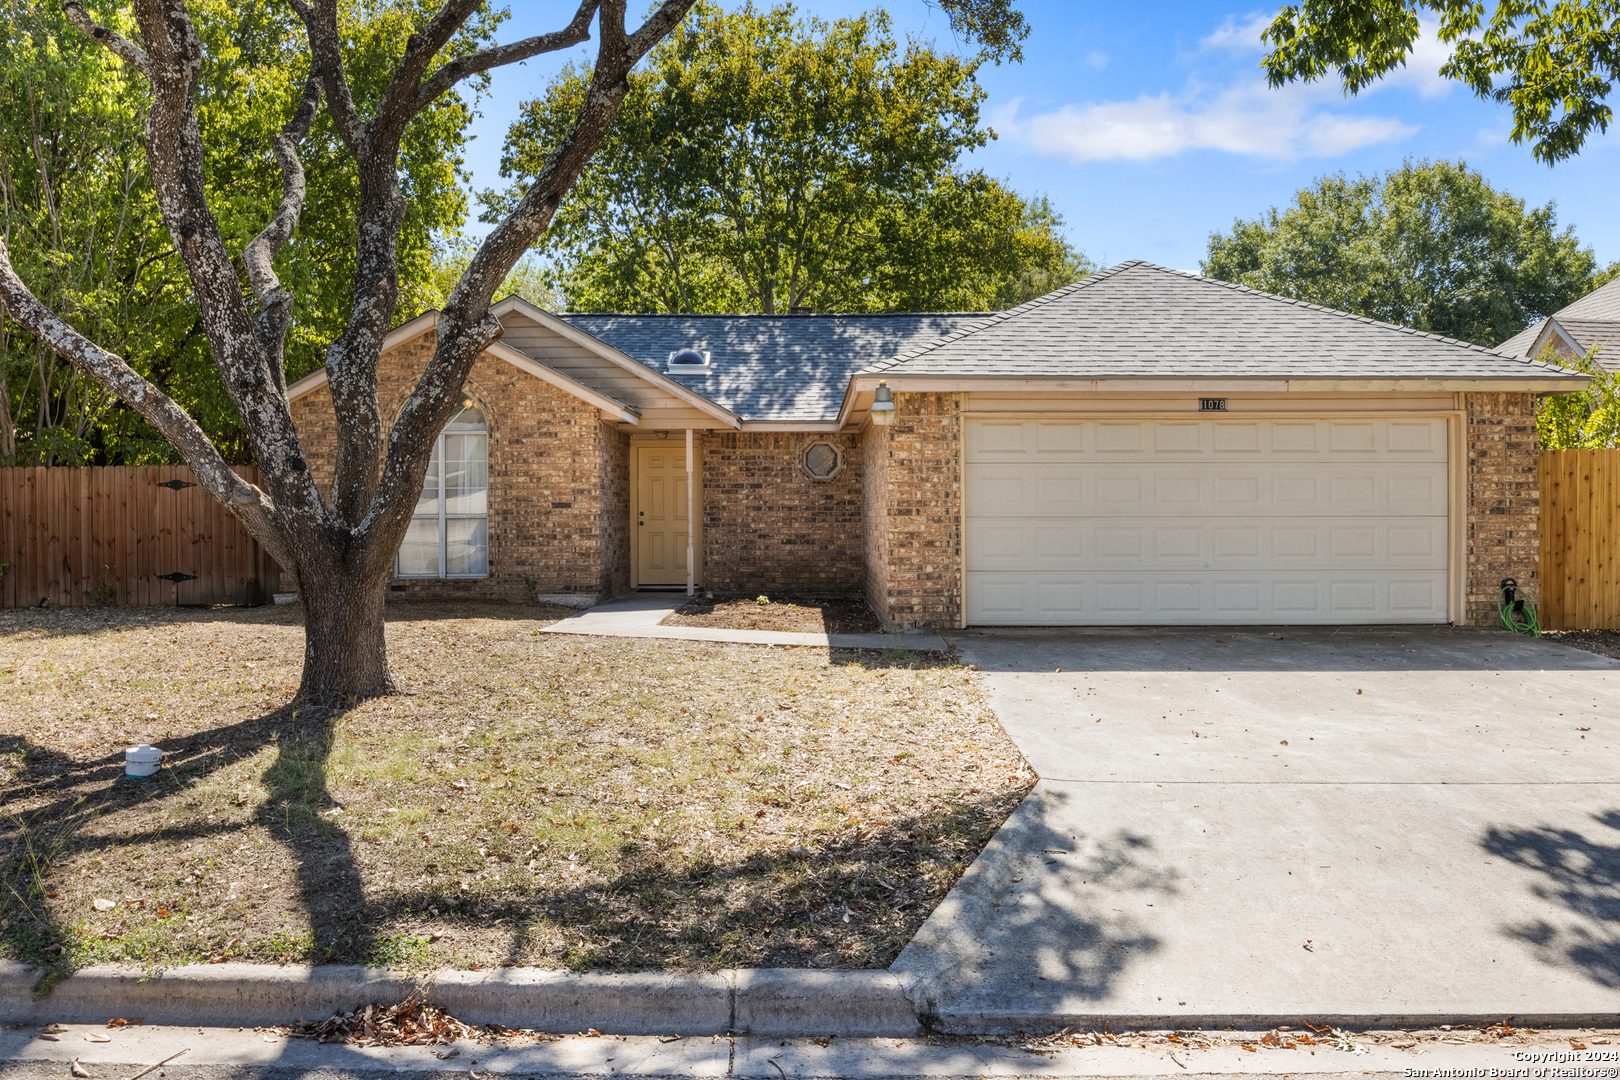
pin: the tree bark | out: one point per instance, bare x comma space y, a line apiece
345, 654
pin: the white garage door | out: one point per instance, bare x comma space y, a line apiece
1094, 522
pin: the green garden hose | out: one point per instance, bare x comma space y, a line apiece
1517, 613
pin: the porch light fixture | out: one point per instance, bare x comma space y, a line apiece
883, 405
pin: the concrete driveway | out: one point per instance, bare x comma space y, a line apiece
1376, 826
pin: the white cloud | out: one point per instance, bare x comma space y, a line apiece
1247, 118
1097, 59
1233, 35
1422, 70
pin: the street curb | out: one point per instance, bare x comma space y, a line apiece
778, 1002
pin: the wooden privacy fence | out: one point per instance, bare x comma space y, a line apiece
129, 536
1580, 540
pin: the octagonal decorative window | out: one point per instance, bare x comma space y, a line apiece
822, 460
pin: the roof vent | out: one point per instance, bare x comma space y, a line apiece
687, 360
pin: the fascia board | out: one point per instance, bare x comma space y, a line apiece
306, 384
614, 356
792, 425
414, 328
629, 414
1539, 382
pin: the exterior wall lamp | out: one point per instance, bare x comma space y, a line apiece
883, 405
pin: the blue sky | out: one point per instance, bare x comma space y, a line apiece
1149, 125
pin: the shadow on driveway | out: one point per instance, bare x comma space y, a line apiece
1283, 648
1582, 874
1038, 919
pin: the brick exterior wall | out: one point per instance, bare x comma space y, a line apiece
1504, 501
547, 479
767, 526
914, 513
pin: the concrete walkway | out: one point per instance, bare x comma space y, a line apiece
640, 614
1380, 826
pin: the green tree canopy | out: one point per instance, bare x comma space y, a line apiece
78, 213
1429, 245
1554, 62
764, 163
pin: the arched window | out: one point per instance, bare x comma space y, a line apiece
449, 534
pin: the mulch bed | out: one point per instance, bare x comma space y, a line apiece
525, 798
1605, 642
796, 614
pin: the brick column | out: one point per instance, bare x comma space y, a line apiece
1504, 501
913, 513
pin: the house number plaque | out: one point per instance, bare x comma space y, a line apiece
1211, 404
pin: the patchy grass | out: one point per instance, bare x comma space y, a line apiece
798, 614
526, 798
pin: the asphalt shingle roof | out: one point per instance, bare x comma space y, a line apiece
1602, 304
772, 367
1521, 343
1138, 320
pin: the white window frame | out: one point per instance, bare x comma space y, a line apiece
444, 517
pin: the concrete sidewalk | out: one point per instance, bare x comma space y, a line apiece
639, 616
1391, 827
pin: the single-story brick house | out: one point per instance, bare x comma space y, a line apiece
1144, 447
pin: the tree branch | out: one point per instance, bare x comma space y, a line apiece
275, 304
576, 31
113, 374
326, 50
121, 47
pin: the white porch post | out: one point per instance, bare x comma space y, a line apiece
691, 521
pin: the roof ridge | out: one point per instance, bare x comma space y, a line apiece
996, 319
762, 314
1000, 317
1306, 304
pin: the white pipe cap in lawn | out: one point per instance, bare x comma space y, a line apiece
142, 761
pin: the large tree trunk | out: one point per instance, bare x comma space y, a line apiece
345, 656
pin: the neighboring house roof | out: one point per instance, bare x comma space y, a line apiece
1602, 334
1523, 343
1602, 303
1593, 320
1141, 321
791, 368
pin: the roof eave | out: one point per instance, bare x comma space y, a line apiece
608, 352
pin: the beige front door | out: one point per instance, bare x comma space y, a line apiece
660, 512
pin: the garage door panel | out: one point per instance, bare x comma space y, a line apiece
1212, 597
1373, 439
1294, 545
1064, 489
1221, 520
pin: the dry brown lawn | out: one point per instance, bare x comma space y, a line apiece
526, 798
796, 614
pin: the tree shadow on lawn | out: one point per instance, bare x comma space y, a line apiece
1582, 874
853, 902
80, 794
